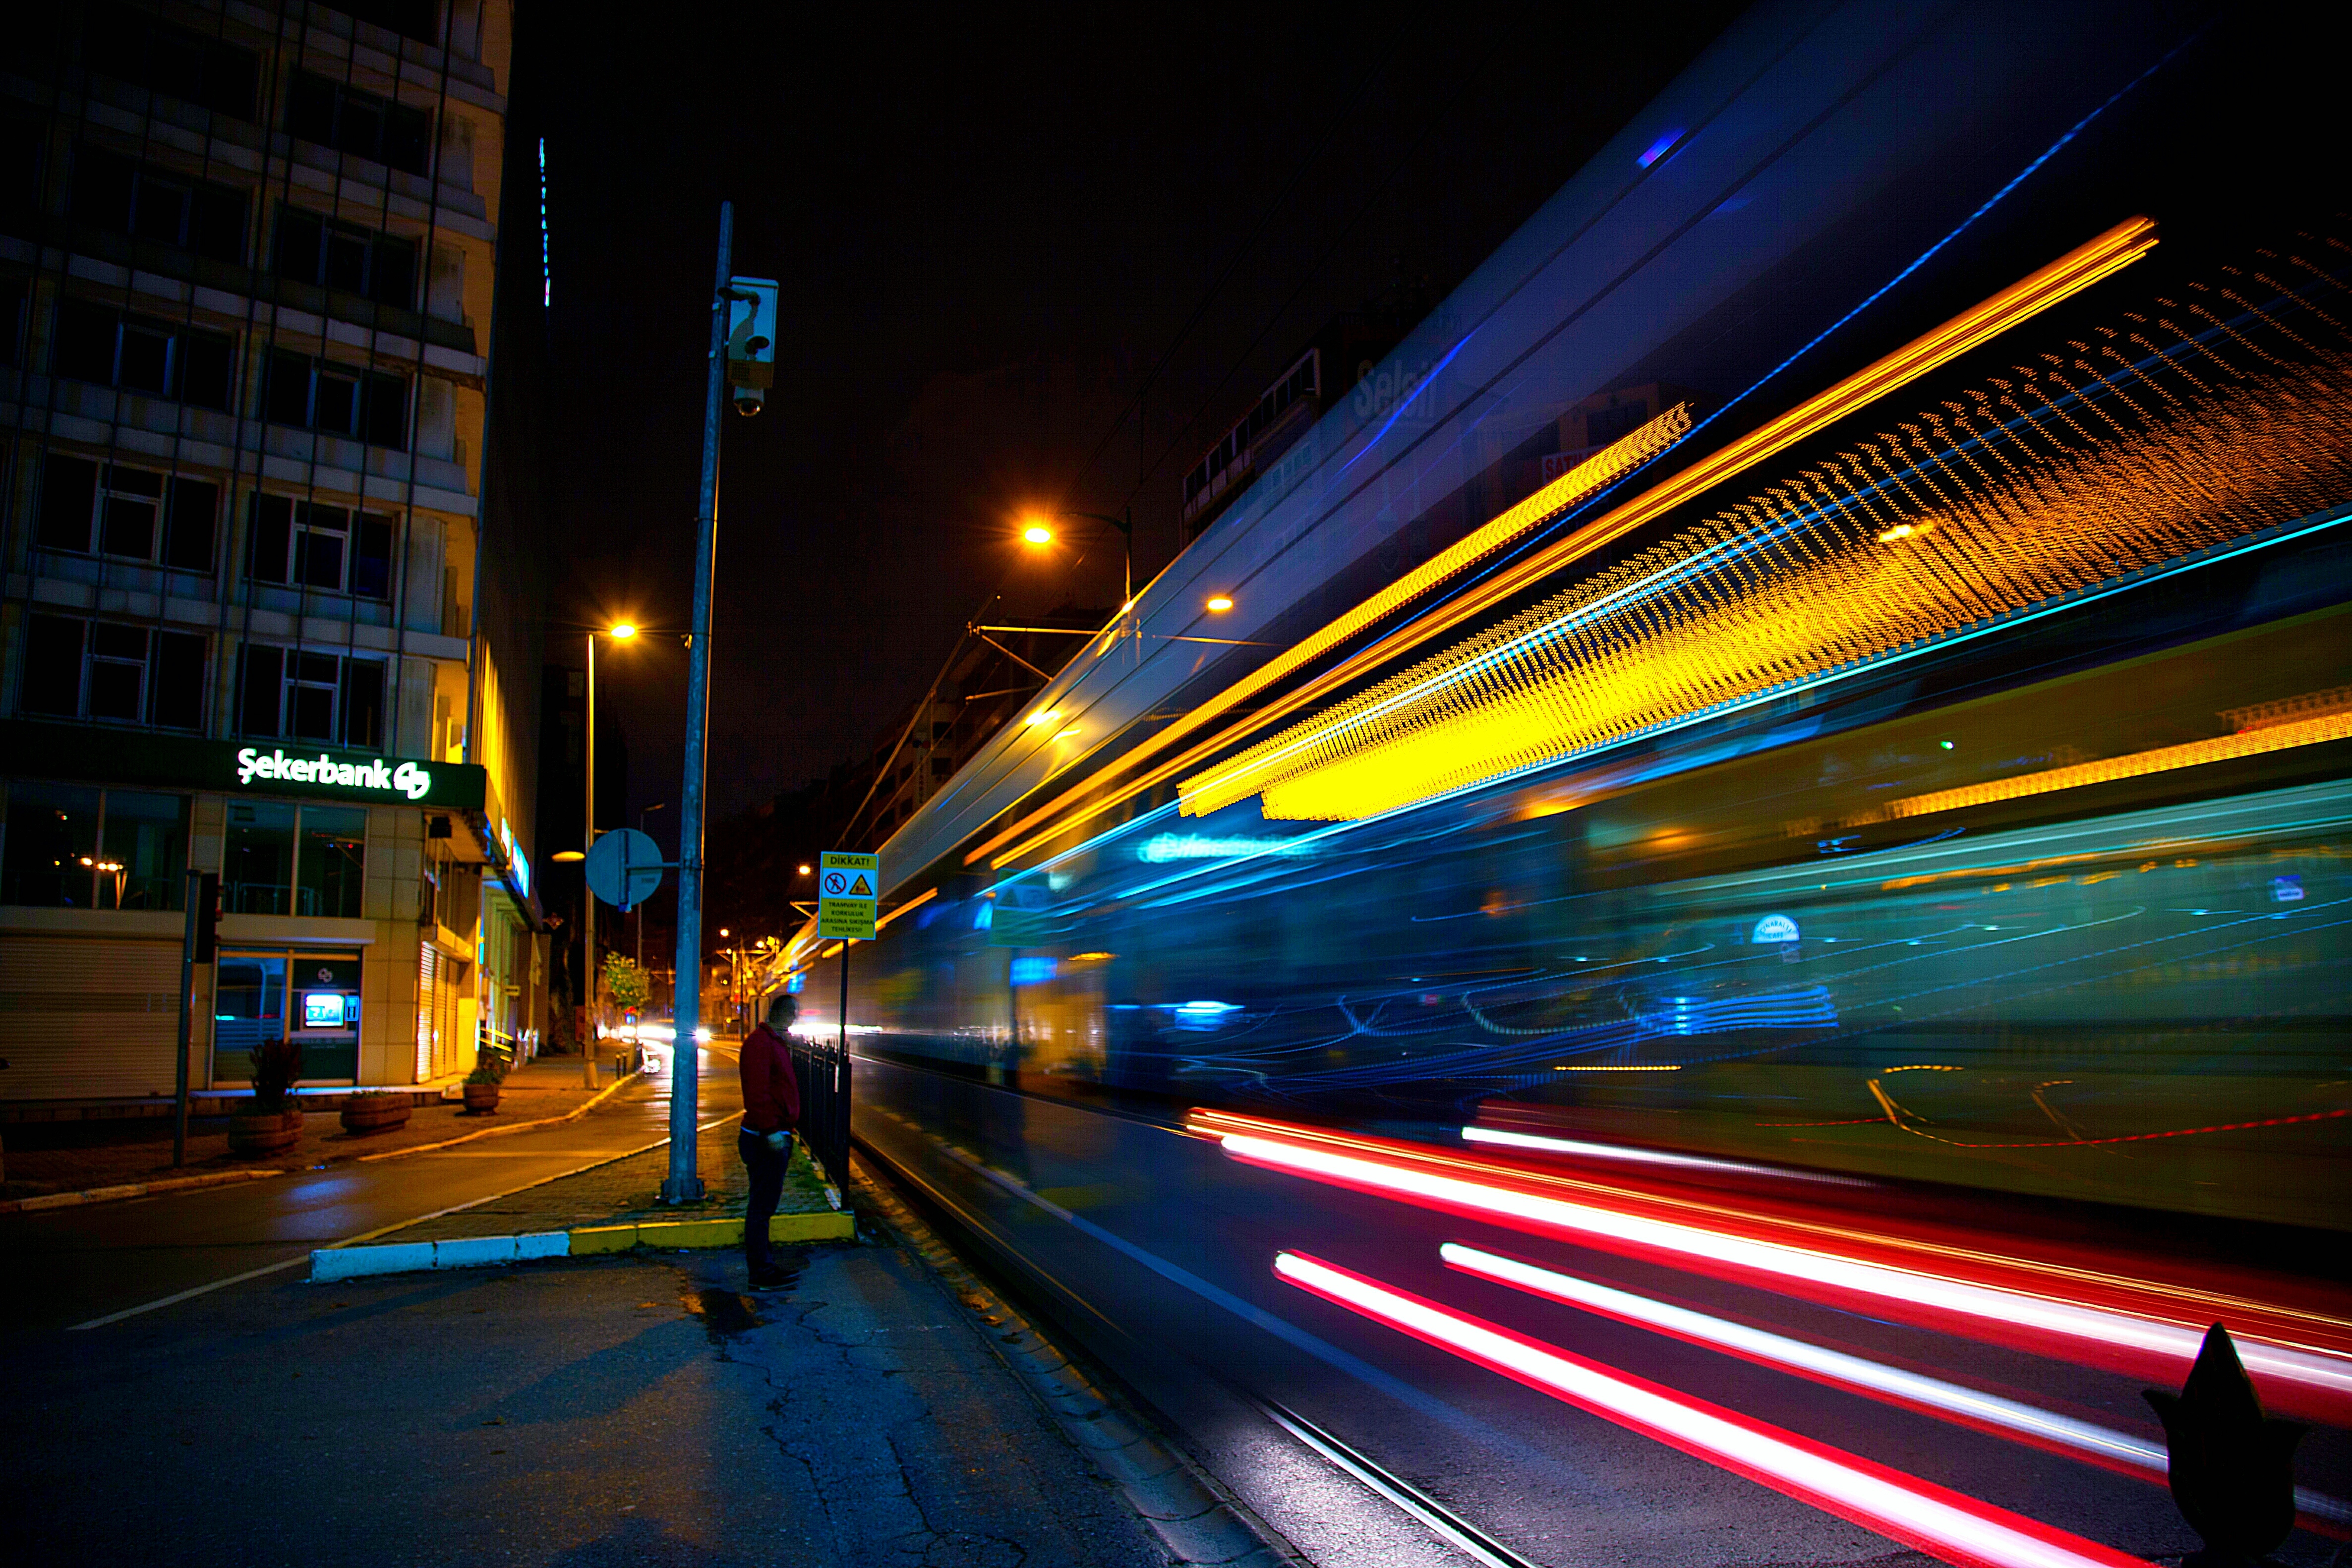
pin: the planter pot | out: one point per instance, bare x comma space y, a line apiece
481, 1099
263, 1134
375, 1116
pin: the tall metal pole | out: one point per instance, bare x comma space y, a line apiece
685, 1183
187, 1020
587, 899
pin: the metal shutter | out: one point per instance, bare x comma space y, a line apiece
88, 1017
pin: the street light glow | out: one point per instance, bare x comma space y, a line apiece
805, 871
1037, 534
621, 631
1220, 604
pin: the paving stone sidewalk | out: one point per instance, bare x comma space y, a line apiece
626, 1192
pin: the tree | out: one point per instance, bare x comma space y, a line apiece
625, 983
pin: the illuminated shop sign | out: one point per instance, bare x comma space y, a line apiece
103, 755
407, 778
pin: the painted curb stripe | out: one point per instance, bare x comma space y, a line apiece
491, 1252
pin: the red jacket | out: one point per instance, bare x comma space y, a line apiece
771, 1098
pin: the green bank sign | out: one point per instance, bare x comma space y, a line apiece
99, 755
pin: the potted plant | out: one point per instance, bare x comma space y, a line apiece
375, 1110
482, 1088
271, 1123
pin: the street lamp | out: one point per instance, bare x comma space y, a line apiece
620, 632
1038, 533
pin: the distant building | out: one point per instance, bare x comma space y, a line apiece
1343, 359
265, 612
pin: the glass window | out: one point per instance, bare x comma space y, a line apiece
333, 862
258, 860
249, 1011
51, 845
146, 850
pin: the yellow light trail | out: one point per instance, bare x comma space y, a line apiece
2049, 481
2078, 269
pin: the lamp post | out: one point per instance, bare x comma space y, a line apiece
1038, 533
637, 913
620, 632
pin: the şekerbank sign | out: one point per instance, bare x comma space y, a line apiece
99, 755
410, 779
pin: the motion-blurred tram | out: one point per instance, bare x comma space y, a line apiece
1803, 933
1919, 754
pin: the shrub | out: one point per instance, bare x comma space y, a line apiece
277, 1069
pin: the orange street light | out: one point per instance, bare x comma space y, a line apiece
1037, 534
1220, 604
621, 631
805, 871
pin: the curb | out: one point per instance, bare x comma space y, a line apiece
491, 1252
1193, 1518
132, 1190
574, 1114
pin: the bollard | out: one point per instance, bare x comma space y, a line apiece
2232, 1467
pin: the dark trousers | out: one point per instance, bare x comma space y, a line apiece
767, 1168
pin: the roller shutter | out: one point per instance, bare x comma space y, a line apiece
87, 1018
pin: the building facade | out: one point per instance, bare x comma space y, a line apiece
247, 258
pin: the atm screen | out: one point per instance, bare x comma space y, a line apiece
323, 1010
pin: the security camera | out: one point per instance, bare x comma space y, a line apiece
748, 401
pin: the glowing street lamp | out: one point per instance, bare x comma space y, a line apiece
1220, 604
1037, 534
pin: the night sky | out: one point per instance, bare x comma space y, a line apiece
991, 233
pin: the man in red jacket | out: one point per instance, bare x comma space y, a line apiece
772, 1109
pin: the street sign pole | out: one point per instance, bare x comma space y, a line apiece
848, 893
685, 1183
187, 1023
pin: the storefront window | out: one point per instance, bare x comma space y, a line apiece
51, 845
76, 847
258, 861
251, 1011
333, 861
311, 997
146, 850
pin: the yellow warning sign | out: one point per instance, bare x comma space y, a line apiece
848, 884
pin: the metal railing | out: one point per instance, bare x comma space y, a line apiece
821, 1073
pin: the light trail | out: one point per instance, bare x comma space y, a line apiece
1931, 1518
2092, 1329
1578, 1148
1913, 1390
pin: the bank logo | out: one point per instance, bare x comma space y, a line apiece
407, 778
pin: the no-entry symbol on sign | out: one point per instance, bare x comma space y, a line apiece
848, 884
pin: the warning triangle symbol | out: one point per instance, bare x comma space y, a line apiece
860, 888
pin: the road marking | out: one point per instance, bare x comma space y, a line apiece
1467, 1538
184, 1295
371, 1235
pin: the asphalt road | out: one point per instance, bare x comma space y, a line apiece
64, 1267
1156, 1249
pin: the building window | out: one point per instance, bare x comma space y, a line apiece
330, 861
283, 859
111, 192
288, 694
99, 343
417, 19
323, 395
80, 847
352, 260
135, 514
306, 544
358, 124
103, 670
140, 48
16, 295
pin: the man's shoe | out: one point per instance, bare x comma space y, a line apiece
770, 1278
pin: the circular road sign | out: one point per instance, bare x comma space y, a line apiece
625, 867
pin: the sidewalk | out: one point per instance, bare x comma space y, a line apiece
46, 1158
611, 1207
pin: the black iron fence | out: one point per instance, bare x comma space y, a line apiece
821, 1073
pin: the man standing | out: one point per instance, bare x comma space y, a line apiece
772, 1109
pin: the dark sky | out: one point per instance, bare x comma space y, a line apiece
989, 230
